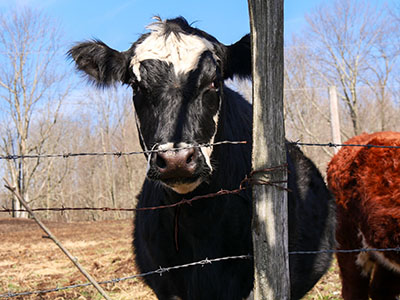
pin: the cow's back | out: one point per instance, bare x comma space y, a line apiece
312, 221
366, 183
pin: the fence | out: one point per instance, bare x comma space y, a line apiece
246, 183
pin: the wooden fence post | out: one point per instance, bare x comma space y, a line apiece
270, 231
334, 112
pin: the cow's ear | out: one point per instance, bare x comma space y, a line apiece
103, 65
238, 59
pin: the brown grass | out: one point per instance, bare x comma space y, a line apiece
29, 262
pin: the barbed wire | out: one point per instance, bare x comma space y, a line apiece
334, 251
160, 271
116, 153
119, 153
246, 183
179, 203
334, 145
359, 87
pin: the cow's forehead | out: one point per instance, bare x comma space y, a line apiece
177, 48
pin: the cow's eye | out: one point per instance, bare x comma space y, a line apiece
214, 86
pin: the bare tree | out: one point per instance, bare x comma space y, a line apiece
352, 44
115, 129
32, 89
306, 109
100, 121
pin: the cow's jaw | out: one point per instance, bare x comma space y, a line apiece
185, 188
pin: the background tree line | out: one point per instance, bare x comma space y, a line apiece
349, 44
355, 46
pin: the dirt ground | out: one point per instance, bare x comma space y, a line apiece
31, 262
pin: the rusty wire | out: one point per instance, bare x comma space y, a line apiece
246, 183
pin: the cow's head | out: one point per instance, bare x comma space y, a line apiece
177, 74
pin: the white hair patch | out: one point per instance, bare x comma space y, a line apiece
181, 50
365, 262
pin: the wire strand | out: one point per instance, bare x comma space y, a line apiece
117, 154
160, 271
343, 145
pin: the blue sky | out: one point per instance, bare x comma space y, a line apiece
119, 22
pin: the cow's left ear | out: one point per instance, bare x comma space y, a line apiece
238, 59
103, 65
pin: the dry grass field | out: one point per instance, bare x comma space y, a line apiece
29, 262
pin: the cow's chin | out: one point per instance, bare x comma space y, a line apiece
184, 188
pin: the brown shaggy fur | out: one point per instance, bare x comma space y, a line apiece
366, 183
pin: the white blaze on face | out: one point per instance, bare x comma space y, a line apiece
207, 151
181, 50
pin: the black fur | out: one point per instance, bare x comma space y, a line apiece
174, 108
104, 65
221, 226
239, 59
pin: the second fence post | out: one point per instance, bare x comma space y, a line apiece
334, 113
270, 233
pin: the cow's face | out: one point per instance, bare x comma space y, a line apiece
176, 73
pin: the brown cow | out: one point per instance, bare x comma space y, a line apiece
366, 183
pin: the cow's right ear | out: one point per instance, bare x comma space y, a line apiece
103, 65
238, 59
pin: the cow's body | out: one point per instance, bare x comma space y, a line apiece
221, 226
366, 183
177, 75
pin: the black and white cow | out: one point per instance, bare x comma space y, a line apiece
177, 74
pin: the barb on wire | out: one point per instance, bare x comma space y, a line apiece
160, 271
117, 154
333, 145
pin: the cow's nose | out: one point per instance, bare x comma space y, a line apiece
176, 163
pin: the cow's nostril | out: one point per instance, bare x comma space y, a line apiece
160, 162
189, 159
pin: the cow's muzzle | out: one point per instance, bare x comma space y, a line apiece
181, 169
